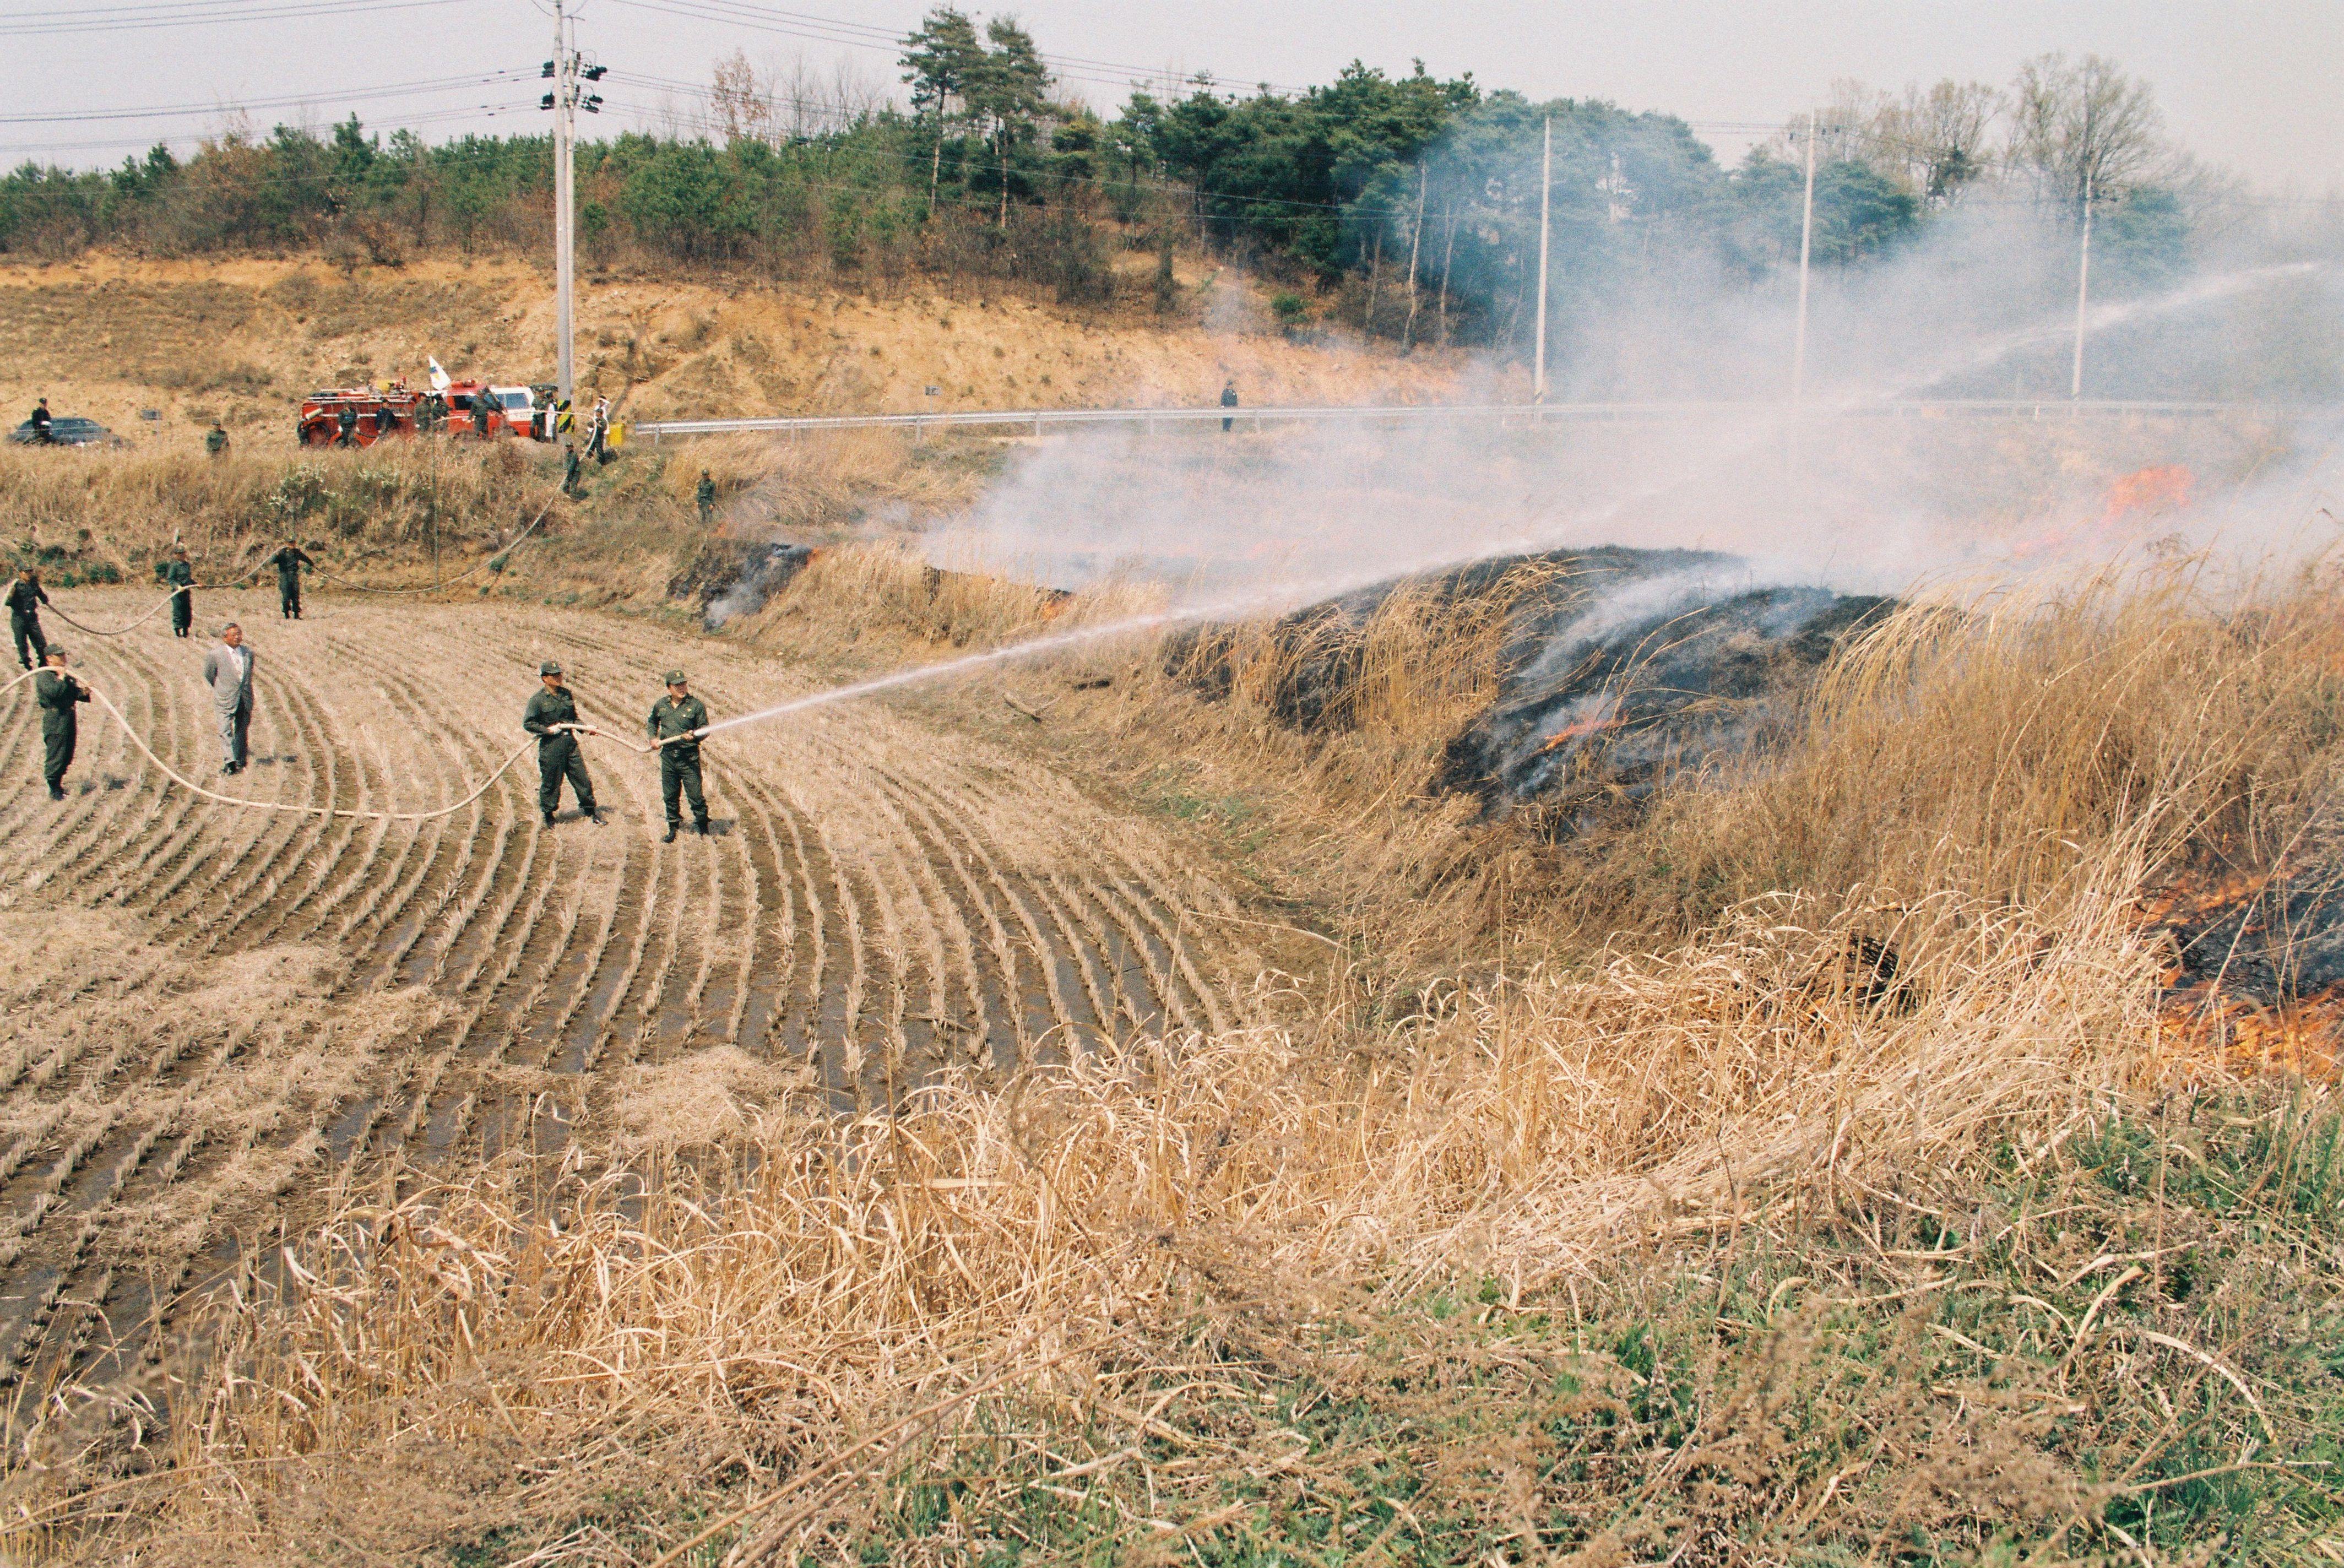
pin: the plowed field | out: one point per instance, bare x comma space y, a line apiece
213, 1013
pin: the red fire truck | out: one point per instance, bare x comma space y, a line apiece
361, 416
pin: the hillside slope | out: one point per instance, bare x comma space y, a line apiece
245, 340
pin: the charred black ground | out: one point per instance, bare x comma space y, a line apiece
1620, 666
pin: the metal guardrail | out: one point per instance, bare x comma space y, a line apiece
1036, 421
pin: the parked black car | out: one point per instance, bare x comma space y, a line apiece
67, 430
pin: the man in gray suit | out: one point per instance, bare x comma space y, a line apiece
227, 671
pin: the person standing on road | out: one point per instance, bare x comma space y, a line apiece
26, 597
215, 441
227, 671
552, 717
1228, 400
40, 423
56, 693
680, 715
706, 496
288, 561
182, 577
599, 433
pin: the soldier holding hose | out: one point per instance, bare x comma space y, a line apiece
26, 597
288, 561
677, 720
181, 577
552, 717
56, 693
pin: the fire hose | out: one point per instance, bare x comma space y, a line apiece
149, 615
493, 557
332, 811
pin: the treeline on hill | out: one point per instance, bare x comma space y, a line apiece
1407, 206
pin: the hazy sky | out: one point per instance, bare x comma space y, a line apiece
2257, 86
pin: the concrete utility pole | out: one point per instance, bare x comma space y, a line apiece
1807, 251
564, 71
2083, 294
1546, 194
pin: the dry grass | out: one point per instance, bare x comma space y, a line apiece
126, 509
246, 338
1147, 1223
1643, 1053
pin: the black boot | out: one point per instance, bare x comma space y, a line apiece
670, 833
57, 792
701, 827
549, 819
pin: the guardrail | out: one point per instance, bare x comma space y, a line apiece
1036, 421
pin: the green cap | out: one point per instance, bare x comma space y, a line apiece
675, 677
56, 651
549, 668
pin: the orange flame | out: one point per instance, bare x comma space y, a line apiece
2157, 488
1573, 732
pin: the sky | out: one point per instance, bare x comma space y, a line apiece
2248, 85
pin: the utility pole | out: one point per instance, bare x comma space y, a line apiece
1806, 252
1546, 195
566, 71
2083, 293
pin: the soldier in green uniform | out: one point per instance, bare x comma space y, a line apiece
706, 495
215, 441
26, 597
552, 716
680, 714
288, 561
181, 576
569, 470
56, 693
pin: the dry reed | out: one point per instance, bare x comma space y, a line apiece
1907, 937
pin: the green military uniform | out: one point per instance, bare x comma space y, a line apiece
289, 562
26, 598
215, 441
558, 756
707, 497
570, 471
181, 576
56, 693
680, 761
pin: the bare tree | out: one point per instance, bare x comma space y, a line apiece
1940, 136
740, 108
1930, 142
2085, 127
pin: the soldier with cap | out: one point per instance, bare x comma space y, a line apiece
552, 717
26, 597
56, 693
288, 561
677, 721
706, 495
215, 441
181, 576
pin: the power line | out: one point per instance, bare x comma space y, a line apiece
128, 23
180, 111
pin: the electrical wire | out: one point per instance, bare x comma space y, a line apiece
363, 95
266, 12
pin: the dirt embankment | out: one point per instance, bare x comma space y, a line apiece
244, 340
